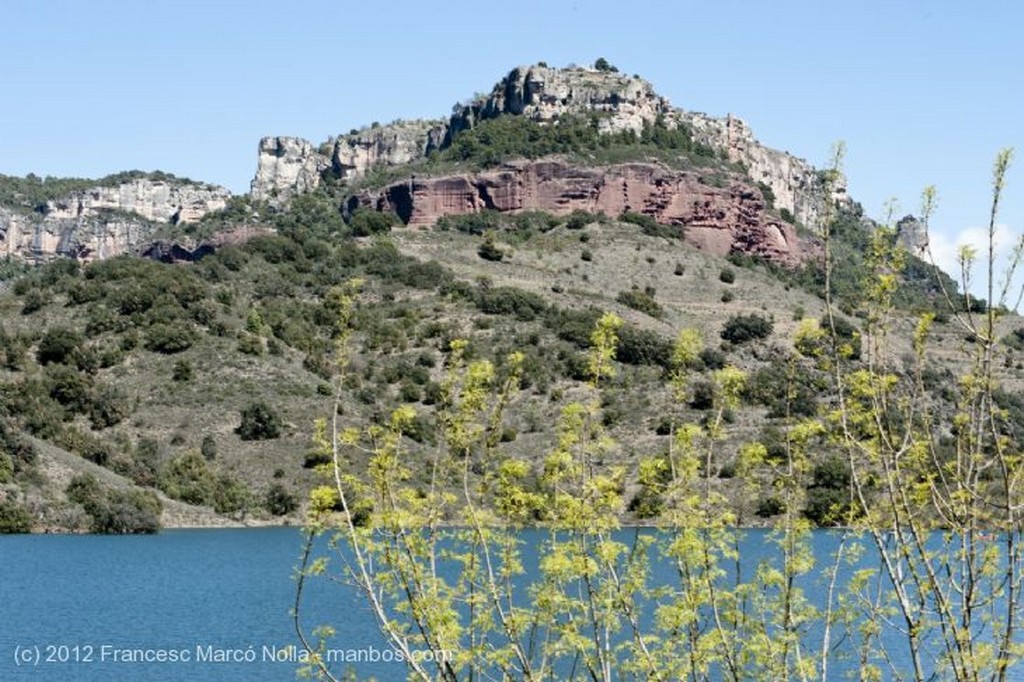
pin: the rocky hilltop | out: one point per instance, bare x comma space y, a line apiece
287, 166
719, 219
106, 220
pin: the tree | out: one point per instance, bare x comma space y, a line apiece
931, 499
182, 371
208, 447
14, 518
489, 250
170, 338
259, 422
743, 328
278, 501
115, 511
59, 345
365, 222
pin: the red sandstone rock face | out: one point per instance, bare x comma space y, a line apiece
730, 218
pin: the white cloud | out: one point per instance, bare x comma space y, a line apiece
946, 247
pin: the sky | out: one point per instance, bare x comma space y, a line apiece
922, 93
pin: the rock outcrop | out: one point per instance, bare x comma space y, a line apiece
912, 235
796, 184
156, 200
395, 144
35, 238
105, 221
719, 215
545, 94
288, 166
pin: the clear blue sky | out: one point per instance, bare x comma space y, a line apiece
922, 93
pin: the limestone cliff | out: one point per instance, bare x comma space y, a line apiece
156, 200
796, 184
105, 221
286, 166
290, 165
719, 216
913, 236
36, 238
543, 94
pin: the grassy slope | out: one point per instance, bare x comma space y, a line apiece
401, 323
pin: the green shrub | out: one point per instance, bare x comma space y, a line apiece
109, 407
743, 328
703, 395
524, 305
41, 415
259, 422
767, 193
186, 477
578, 219
574, 326
432, 393
652, 228
712, 358
250, 344
85, 445
14, 518
643, 347
69, 387
182, 371
208, 448
6, 468
642, 301
144, 467
60, 345
174, 337
231, 496
727, 275
477, 223
409, 393
773, 387
278, 501
769, 507
364, 222
34, 300
828, 495
128, 512
489, 250
115, 511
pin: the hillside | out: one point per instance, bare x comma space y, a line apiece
513, 224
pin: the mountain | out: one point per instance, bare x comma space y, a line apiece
582, 102
194, 374
541, 94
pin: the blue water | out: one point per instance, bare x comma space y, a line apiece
206, 604
70, 605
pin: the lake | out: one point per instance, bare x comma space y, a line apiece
187, 605
81, 605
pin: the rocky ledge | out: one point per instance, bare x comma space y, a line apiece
721, 214
105, 221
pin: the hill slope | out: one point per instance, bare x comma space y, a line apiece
201, 379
